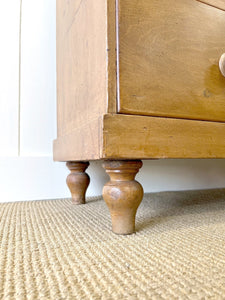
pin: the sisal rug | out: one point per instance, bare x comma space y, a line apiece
54, 250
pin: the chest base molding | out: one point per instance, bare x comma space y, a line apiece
117, 136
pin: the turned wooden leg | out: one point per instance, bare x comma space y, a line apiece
123, 194
78, 181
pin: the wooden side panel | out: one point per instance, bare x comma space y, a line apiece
216, 3
169, 53
143, 137
81, 144
81, 62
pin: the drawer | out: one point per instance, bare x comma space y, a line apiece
168, 59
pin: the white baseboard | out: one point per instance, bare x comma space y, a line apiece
34, 178
31, 178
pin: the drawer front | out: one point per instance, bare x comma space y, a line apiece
168, 59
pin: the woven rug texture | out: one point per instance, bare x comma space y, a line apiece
51, 249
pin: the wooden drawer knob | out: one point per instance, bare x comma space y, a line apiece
222, 64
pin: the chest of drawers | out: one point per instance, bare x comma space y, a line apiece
137, 80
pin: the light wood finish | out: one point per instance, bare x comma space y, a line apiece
137, 80
83, 143
78, 181
168, 62
86, 61
122, 194
112, 57
146, 137
222, 64
126, 136
81, 62
215, 3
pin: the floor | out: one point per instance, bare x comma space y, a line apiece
54, 250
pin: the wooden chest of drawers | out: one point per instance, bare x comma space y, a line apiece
137, 80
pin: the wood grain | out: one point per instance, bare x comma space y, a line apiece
112, 56
144, 137
169, 59
216, 3
122, 194
118, 136
83, 143
85, 62
78, 181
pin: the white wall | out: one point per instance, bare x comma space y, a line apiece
28, 117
